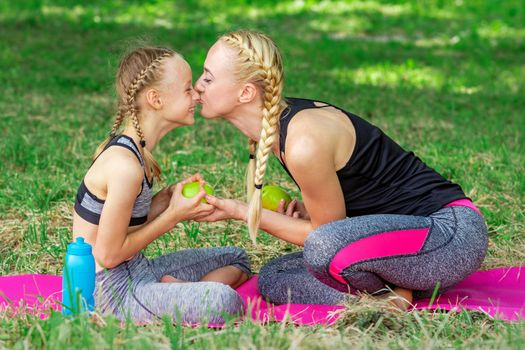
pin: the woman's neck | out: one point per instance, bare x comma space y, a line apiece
248, 119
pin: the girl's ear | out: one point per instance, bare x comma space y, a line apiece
153, 98
248, 93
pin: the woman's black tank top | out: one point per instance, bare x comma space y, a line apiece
381, 177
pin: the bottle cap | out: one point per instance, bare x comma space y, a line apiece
79, 247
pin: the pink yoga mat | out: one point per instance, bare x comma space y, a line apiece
499, 293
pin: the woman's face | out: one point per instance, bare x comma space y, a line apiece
219, 92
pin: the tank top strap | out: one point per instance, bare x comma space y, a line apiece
127, 142
122, 141
294, 106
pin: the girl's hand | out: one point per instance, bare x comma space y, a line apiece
188, 208
224, 209
295, 209
163, 197
160, 201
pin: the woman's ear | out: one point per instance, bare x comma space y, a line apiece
153, 98
248, 93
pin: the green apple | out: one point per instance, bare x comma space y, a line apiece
191, 189
272, 195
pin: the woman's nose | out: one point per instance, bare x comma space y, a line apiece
198, 85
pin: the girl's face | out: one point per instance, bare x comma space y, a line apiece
177, 93
219, 92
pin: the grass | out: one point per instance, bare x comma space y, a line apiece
443, 78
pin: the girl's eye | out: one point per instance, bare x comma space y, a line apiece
206, 80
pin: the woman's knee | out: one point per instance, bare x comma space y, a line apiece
319, 249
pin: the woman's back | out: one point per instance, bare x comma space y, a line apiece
379, 176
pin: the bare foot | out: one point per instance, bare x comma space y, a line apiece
401, 298
170, 279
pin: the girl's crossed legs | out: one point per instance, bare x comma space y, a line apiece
134, 289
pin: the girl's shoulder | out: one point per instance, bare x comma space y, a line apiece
118, 163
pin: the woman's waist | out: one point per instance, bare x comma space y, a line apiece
465, 202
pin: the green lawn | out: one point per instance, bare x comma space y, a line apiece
445, 79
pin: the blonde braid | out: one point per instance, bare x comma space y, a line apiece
271, 110
151, 166
259, 61
114, 129
250, 170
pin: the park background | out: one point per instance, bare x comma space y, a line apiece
444, 79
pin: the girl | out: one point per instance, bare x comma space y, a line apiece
116, 213
374, 216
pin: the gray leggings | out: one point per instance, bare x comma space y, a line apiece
133, 290
368, 253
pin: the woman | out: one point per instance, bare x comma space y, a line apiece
381, 219
116, 213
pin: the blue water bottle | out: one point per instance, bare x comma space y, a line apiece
78, 278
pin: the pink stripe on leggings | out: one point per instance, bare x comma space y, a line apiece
464, 203
377, 246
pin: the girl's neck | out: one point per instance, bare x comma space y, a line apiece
152, 129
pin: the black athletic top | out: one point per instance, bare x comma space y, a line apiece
381, 177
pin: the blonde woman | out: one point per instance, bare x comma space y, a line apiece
374, 218
116, 213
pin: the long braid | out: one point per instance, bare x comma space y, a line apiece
259, 61
250, 170
271, 110
118, 121
116, 124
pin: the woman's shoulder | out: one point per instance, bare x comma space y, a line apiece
324, 124
321, 134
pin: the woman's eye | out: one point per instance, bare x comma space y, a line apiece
206, 80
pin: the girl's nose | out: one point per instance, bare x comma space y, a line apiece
195, 94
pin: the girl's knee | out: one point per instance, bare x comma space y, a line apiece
228, 300
238, 254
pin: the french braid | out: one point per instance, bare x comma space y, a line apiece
259, 61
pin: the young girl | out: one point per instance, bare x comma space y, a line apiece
374, 215
116, 213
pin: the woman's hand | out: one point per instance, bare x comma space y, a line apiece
224, 209
182, 208
295, 209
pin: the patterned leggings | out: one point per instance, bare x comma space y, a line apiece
368, 253
133, 290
